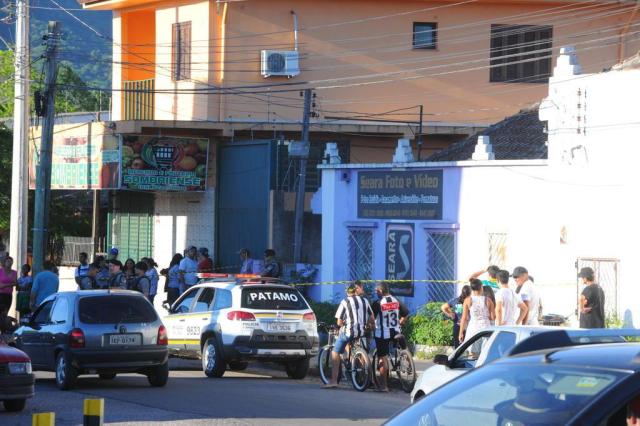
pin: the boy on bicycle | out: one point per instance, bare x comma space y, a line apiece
353, 316
390, 315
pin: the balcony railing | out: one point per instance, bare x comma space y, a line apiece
138, 99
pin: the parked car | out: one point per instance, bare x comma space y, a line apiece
103, 332
16, 378
230, 320
497, 342
595, 384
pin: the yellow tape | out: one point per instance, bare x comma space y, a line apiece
383, 281
94, 407
43, 419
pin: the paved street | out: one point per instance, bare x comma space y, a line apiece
258, 397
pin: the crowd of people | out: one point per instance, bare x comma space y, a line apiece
497, 301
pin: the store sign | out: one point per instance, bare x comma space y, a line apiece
399, 258
161, 163
81, 161
413, 195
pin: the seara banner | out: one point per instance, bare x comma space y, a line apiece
409, 195
399, 258
164, 163
82, 158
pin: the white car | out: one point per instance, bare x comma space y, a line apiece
228, 320
497, 342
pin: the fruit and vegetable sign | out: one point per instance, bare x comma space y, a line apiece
80, 160
162, 163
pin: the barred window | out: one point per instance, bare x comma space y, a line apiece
181, 51
521, 53
360, 254
425, 35
440, 265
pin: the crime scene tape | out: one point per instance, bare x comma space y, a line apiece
380, 281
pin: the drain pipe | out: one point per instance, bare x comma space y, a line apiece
295, 30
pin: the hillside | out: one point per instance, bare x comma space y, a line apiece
87, 53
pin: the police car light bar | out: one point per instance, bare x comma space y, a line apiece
242, 276
212, 275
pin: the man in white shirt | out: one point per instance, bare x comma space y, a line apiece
508, 302
188, 270
529, 295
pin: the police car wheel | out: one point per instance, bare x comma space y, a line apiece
238, 365
213, 364
297, 369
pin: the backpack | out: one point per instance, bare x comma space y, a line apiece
136, 284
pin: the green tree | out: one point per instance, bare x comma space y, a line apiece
6, 149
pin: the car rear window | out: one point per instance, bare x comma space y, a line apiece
261, 297
115, 309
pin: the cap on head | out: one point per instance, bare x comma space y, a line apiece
114, 251
586, 273
518, 271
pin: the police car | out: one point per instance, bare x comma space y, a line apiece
228, 320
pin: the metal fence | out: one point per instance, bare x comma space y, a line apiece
606, 275
440, 265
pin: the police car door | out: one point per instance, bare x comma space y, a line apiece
199, 318
176, 321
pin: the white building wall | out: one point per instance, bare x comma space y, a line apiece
182, 220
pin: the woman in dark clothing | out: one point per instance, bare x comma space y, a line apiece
453, 309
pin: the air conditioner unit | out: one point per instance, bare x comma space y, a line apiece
280, 63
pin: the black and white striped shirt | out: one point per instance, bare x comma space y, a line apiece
388, 311
355, 311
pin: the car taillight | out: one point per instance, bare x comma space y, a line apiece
309, 317
76, 338
240, 316
163, 339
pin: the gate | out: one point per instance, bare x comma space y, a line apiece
245, 179
130, 225
606, 276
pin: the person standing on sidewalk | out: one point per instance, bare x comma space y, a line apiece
529, 295
390, 314
247, 262
45, 284
453, 309
8, 280
478, 312
508, 302
116, 278
83, 267
188, 270
591, 301
173, 279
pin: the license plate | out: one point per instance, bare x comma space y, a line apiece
279, 327
125, 339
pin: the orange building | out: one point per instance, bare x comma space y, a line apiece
232, 72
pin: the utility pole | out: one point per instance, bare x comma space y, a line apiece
419, 138
43, 172
302, 179
19, 231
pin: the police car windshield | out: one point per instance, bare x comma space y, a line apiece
264, 297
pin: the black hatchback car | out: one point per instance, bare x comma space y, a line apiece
103, 332
579, 385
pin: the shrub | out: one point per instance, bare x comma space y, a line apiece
429, 327
325, 311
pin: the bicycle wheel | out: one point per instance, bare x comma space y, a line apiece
406, 370
324, 364
360, 369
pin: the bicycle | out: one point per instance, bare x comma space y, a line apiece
399, 361
356, 365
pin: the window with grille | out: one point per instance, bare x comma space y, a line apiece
181, 51
521, 53
425, 35
441, 261
498, 249
360, 252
